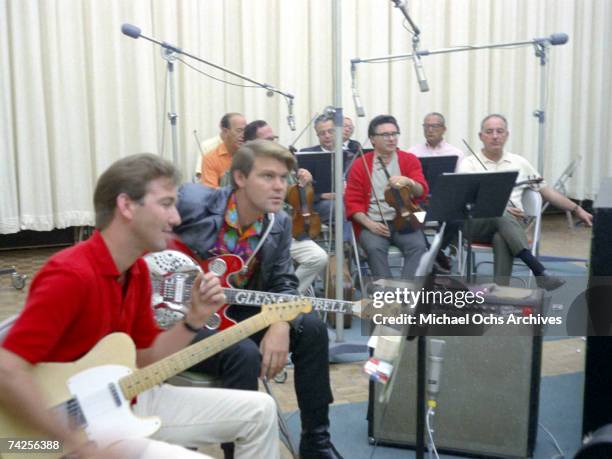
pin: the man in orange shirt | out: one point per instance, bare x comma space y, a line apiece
218, 161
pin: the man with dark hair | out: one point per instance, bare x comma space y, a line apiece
506, 233
216, 162
371, 215
259, 129
247, 220
101, 286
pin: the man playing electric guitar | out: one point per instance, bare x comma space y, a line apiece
247, 220
100, 286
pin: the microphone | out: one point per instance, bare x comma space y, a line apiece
358, 106
420, 72
434, 367
290, 117
356, 99
167, 49
131, 30
555, 39
329, 111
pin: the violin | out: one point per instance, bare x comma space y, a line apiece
401, 200
305, 220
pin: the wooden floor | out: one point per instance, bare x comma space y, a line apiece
349, 382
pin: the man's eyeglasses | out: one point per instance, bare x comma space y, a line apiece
388, 135
273, 138
433, 126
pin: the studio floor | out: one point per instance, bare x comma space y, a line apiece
349, 382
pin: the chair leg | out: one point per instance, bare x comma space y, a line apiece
18, 280
357, 262
282, 424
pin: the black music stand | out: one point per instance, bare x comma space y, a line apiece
434, 166
469, 196
320, 165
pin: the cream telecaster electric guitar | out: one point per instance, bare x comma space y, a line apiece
94, 393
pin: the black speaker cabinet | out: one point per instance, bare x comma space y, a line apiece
488, 401
598, 371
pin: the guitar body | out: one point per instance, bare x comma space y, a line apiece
90, 380
223, 266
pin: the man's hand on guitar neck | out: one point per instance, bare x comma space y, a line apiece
274, 348
206, 298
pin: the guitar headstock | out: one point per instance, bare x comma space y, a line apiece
286, 311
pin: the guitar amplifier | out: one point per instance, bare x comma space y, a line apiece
598, 372
489, 392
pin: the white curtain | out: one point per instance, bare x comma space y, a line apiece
76, 94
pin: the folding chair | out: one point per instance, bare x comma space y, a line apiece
532, 205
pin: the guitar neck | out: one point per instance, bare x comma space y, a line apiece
255, 298
158, 372
178, 290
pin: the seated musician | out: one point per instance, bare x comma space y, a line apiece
247, 220
371, 215
324, 202
216, 162
101, 286
309, 256
506, 233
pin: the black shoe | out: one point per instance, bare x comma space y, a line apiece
548, 282
316, 444
443, 263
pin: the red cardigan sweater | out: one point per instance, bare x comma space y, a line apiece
359, 187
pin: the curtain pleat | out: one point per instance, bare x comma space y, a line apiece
76, 94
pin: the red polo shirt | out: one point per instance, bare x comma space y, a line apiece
75, 300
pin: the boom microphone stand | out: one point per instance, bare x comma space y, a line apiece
541, 49
169, 53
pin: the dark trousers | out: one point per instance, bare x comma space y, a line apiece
238, 366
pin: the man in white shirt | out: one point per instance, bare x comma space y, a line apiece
434, 127
506, 232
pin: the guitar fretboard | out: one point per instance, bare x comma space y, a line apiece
254, 298
158, 372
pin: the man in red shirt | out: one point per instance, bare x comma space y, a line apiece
365, 204
102, 286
